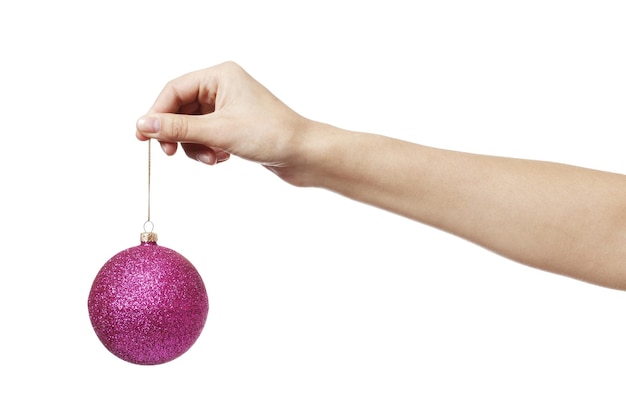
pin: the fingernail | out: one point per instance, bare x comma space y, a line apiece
205, 158
168, 147
149, 124
221, 156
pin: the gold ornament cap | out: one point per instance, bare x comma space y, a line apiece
148, 237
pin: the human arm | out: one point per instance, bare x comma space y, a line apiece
560, 218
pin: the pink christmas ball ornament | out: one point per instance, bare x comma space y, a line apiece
148, 304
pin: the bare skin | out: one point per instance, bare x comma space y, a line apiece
560, 218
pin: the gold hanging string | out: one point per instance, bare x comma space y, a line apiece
149, 173
148, 226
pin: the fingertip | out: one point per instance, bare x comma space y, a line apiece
221, 156
168, 147
141, 137
207, 158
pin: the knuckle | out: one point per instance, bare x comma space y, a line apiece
178, 128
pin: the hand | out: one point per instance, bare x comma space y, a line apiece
221, 111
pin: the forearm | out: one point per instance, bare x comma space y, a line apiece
556, 217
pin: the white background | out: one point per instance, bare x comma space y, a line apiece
318, 305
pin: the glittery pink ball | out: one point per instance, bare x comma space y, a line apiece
148, 304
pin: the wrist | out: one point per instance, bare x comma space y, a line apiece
318, 146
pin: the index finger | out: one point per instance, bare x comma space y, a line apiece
192, 93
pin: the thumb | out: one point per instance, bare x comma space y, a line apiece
168, 127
